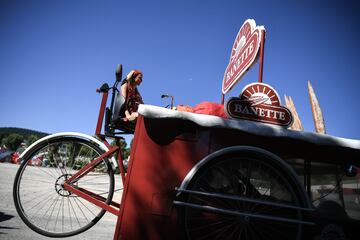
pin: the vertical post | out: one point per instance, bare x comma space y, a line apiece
262, 45
121, 162
101, 113
307, 176
222, 98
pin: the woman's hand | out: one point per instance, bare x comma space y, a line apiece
132, 116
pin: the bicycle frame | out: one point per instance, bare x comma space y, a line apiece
96, 199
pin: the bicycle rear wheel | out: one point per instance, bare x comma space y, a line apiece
243, 195
39, 197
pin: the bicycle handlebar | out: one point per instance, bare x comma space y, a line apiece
118, 74
104, 88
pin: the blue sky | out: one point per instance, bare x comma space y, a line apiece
54, 54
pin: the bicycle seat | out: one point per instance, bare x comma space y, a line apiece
117, 119
119, 107
124, 125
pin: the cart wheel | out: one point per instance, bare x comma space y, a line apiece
39, 197
247, 194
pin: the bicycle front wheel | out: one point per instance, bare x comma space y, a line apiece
40, 198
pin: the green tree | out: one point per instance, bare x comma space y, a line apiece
1, 138
31, 139
13, 141
125, 151
123, 146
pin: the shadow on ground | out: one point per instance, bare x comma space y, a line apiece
5, 217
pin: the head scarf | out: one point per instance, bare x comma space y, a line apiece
132, 74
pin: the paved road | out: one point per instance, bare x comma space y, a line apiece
12, 227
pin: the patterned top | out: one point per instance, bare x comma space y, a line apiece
133, 99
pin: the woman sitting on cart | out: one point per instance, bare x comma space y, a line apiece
131, 95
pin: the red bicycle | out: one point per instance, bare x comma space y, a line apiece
73, 186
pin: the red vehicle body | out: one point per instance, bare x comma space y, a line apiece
161, 160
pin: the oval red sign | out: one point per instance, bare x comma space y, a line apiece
259, 102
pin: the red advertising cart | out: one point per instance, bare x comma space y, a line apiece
193, 176
204, 177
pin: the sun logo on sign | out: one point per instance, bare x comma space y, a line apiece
260, 94
241, 38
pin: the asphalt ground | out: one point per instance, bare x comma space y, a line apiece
12, 227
